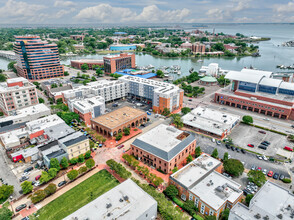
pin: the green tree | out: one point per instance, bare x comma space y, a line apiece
214, 153
257, 177
64, 163
226, 156
82, 169
171, 191
73, 161
160, 73
5, 192
68, 117
248, 198
54, 85
198, 152
50, 189
99, 72
81, 158
225, 214
72, 174
41, 100
26, 187
84, 67
189, 158
247, 119
52, 172
66, 73
185, 110
59, 101
93, 78
88, 154
233, 167
222, 81
157, 181
5, 213
126, 131
175, 169
1, 114
165, 112
90, 163
10, 65
177, 120
54, 163
190, 207
45, 177
118, 136
38, 196
2, 78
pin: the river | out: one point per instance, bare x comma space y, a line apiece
271, 53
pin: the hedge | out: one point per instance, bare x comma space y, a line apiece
198, 217
286, 180
178, 202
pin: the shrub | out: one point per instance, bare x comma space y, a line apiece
88, 154
118, 136
50, 189
247, 119
127, 131
90, 163
286, 180
81, 158
72, 174
178, 202
175, 169
190, 207
248, 198
73, 161
82, 169
38, 196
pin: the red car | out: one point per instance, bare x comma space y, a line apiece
288, 148
250, 145
270, 173
262, 132
121, 146
259, 168
38, 177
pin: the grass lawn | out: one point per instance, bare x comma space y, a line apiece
78, 196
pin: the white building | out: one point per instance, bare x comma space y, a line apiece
209, 121
212, 69
17, 93
124, 202
271, 202
26, 114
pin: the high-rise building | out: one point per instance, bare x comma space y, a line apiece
37, 59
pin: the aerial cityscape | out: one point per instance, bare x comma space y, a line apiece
146, 110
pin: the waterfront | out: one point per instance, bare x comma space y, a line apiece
271, 53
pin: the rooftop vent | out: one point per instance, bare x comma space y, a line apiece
109, 214
210, 163
266, 217
121, 200
280, 216
108, 205
258, 216
126, 198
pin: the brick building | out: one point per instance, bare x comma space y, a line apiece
164, 147
37, 59
91, 63
17, 93
198, 48
114, 122
119, 62
257, 91
201, 182
77, 37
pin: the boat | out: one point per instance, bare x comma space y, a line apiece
179, 72
199, 61
150, 66
191, 70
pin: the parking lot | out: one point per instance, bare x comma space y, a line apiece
243, 135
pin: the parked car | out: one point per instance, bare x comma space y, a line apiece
218, 142
28, 169
190, 100
26, 218
259, 157
20, 207
259, 168
264, 171
233, 148
288, 148
262, 132
250, 145
264, 158
237, 149
23, 178
243, 151
292, 126
228, 146
268, 143
121, 146
264, 143
38, 177
26, 174
262, 147
270, 173
282, 177
253, 167
37, 183
62, 183
276, 176
213, 140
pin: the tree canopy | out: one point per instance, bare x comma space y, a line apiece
247, 119
257, 177
26, 187
233, 167
171, 191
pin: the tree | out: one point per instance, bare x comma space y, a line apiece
5, 192
160, 73
68, 117
126, 131
226, 156
64, 163
157, 181
82, 169
233, 167
257, 177
5, 213
165, 112
225, 214
66, 73
190, 207
84, 67
171, 191
185, 110
10, 65
88, 154
247, 119
99, 72
198, 152
214, 153
45, 177
178, 121
90, 163
41, 100
50, 189
2, 78
81, 158
118, 136
175, 169
189, 158
73, 161
72, 174
1, 114
93, 78
38, 196
248, 198
54, 163
59, 101
26, 187
52, 172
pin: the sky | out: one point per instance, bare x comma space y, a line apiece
145, 11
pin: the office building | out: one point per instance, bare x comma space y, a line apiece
116, 121
37, 59
161, 94
87, 108
17, 93
26, 114
119, 62
257, 91
92, 64
123, 202
201, 182
198, 48
271, 202
164, 147
210, 122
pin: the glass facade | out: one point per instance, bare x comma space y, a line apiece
286, 91
267, 89
251, 87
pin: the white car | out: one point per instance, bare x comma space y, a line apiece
37, 183
264, 171
266, 119
259, 157
264, 158
25, 174
213, 140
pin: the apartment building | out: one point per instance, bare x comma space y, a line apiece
119, 62
161, 94
201, 182
37, 59
91, 63
164, 147
257, 91
17, 93
87, 108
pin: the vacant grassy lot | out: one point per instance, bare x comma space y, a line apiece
78, 196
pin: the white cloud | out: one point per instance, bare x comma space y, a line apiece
283, 12
61, 3
281, 8
15, 10
109, 14
63, 12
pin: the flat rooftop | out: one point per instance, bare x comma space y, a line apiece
42, 123
87, 103
87, 60
192, 173
125, 201
58, 131
164, 141
210, 120
118, 117
271, 200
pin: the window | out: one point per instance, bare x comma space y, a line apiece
196, 202
211, 212
191, 197
183, 197
202, 209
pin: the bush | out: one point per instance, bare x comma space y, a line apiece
247, 119
215, 153
82, 169
190, 207
38, 196
81, 158
175, 169
198, 217
50, 189
90, 163
286, 180
73, 161
72, 174
118, 136
178, 202
248, 198
127, 131
119, 169
88, 154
